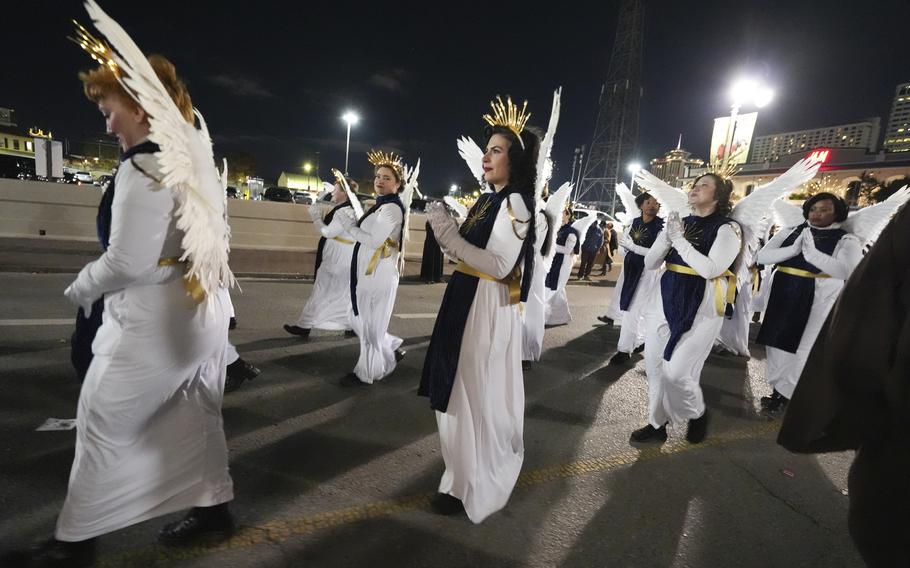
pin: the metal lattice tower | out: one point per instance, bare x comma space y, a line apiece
616, 130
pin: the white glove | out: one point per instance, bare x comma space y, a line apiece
676, 231
808, 245
444, 226
79, 298
315, 213
626, 242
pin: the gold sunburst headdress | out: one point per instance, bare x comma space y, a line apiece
508, 115
724, 170
389, 160
98, 49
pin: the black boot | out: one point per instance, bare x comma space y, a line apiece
767, 401
237, 372
53, 553
649, 434
698, 429
526, 365
350, 333
232, 323
302, 332
200, 525
445, 504
605, 319
399, 355
620, 358
351, 380
778, 404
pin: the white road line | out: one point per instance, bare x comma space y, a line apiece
416, 316
26, 322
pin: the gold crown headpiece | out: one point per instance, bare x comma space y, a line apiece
98, 49
339, 177
507, 115
381, 159
725, 171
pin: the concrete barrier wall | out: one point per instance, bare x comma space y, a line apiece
67, 213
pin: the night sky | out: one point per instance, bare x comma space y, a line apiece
273, 82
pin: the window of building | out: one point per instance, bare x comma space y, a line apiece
28, 146
15, 144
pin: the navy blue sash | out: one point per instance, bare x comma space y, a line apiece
682, 294
321, 246
791, 297
441, 362
87, 327
380, 201
642, 234
562, 236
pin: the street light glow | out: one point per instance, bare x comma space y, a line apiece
763, 97
307, 167
749, 91
350, 117
633, 168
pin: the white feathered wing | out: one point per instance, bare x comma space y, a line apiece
407, 196
868, 223
628, 203
544, 167
670, 198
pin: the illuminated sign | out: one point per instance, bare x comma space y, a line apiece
820, 156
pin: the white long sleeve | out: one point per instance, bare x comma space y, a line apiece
634, 248
335, 228
847, 254
774, 253
722, 254
387, 224
496, 261
569, 247
658, 251
142, 231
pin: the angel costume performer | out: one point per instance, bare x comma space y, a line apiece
329, 304
568, 243
472, 372
374, 276
812, 265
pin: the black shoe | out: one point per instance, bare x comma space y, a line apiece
526, 365
237, 372
649, 434
639, 349
778, 404
620, 358
53, 553
232, 323
605, 319
767, 401
351, 380
297, 330
201, 525
399, 355
350, 333
445, 504
698, 429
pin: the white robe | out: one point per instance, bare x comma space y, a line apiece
376, 294
674, 392
534, 313
481, 432
329, 305
632, 332
784, 368
557, 309
149, 433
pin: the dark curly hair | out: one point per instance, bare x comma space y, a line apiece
641, 198
723, 191
840, 206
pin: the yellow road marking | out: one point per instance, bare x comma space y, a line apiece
283, 529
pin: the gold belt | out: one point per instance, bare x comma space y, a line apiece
191, 284
343, 241
384, 251
802, 273
720, 300
513, 280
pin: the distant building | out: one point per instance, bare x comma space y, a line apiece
897, 136
7, 117
675, 165
305, 182
772, 147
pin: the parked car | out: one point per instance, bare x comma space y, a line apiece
84, 177
231, 192
68, 177
303, 198
103, 180
281, 194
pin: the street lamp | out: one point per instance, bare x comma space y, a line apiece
453, 189
633, 168
744, 91
350, 118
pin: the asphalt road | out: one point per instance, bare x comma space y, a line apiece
329, 476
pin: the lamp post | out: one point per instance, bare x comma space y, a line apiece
633, 168
307, 168
350, 118
742, 92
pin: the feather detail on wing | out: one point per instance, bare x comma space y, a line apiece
670, 198
352, 197
185, 158
786, 214
544, 167
628, 203
407, 196
472, 155
868, 223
